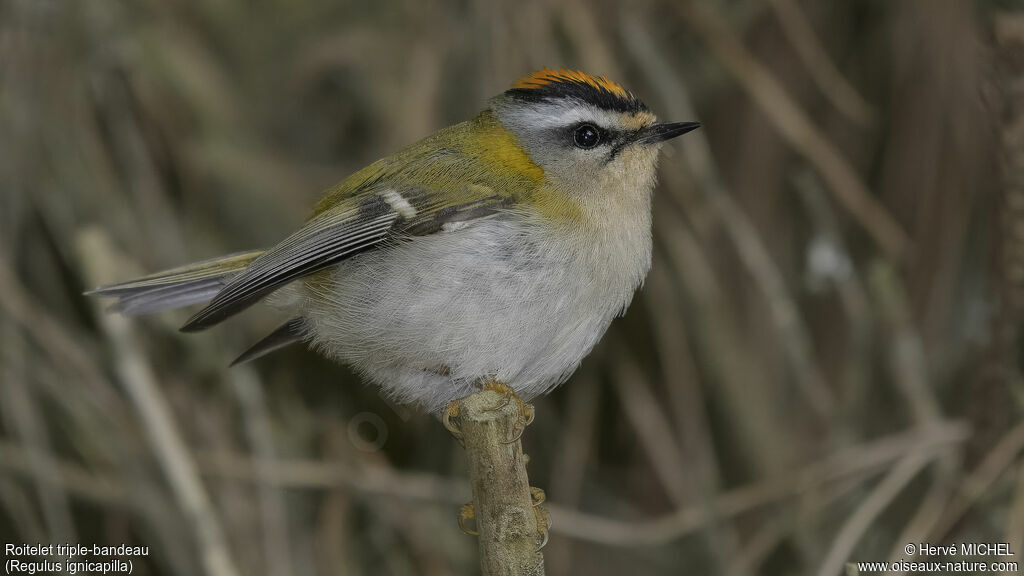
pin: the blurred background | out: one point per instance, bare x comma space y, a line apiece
823, 365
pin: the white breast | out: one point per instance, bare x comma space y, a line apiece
498, 297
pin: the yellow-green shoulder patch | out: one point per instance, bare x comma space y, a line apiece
500, 150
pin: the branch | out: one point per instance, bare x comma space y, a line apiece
503, 505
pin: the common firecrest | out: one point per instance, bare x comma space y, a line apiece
498, 249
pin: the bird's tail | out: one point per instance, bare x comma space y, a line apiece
190, 284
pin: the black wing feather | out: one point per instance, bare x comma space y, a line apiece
328, 238
286, 334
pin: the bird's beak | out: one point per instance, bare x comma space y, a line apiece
664, 131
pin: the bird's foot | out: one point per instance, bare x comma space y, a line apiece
466, 513
540, 513
452, 411
524, 411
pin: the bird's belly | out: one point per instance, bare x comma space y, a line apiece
427, 318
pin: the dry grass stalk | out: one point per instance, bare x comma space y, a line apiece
169, 446
797, 128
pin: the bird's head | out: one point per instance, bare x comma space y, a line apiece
588, 134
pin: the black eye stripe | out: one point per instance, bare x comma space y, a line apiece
622, 139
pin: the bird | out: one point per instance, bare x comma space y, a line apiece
496, 250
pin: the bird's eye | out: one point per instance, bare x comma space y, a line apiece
586, 136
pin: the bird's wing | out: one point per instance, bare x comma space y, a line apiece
412, 193
286, 334
183, 286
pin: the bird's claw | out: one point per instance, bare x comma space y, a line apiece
467, 512
540, 513
452, 411
506, 391
525, 419
524, 410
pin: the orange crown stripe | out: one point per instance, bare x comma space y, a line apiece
548, 76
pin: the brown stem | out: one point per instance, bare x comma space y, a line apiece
503, 505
